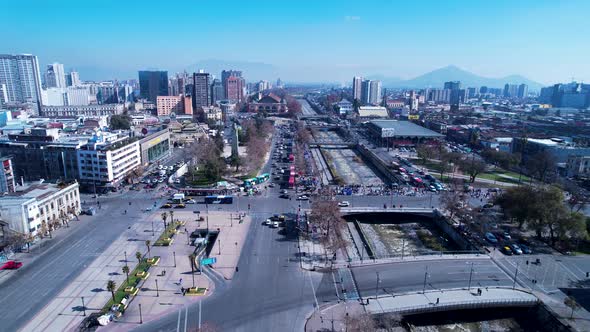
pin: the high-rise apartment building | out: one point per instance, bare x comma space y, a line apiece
455, 88
357, 87
20, 79
170, 104
55, 76
523, 91
201, 90
375, 93
510, 91
217, 91
365, 92
153, 84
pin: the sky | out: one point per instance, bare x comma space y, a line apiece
305, 41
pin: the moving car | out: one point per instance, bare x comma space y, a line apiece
343, 204
267, 222
166, 206
11, 265
302, 198
275, 224
180, 206
191, 201
285, 196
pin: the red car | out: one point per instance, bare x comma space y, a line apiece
11, 265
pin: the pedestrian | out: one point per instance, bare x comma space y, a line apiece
180, 281
437, 300
182, 290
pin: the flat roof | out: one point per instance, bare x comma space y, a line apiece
404, 128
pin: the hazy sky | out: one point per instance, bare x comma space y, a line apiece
321, 40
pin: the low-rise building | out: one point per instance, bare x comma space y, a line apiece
82, 110
344, 107
269, 103
578, 166
155, 146
7, 183
373, 112
33, 207
212, 113
107, 159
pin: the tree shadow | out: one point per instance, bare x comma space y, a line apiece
97, 290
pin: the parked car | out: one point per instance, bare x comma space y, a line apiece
491, 238
516, 249
302, 198
267, 222
344, 204
525, 249
506, 250
11, 265
275, 224
285, 196
166, 206
506, 235
180, 206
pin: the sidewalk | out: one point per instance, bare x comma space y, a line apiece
65, 312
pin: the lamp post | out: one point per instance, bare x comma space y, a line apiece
174, 256
377, 285
157, 290
83, 306
470, 275
425, 276
140, 317
125, 252
219, 245
515, 275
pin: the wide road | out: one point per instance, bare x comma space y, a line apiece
408, 276
306, 107
270, 292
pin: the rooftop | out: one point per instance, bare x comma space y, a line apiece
404, 128
35, 190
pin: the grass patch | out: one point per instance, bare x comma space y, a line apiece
165, 238
120, 293
200, 179
429, 240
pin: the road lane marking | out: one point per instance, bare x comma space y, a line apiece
570, 271
178, 321
185, 317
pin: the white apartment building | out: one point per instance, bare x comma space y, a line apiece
107, 159
26, 209
213, 113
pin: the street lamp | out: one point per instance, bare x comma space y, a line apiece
83, 306
425, 276
470, 275
377, 285
515, 275
157, 290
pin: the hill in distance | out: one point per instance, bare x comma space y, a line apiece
437, 78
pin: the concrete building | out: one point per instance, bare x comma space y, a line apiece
213, 113
153, 84
201, 90
561, 149
269, 103
373, 112
344, 107
375, 93
73, 79
357, 87
86, 110
37, 207
393, 132
578, 166
523, 91
511, 91
155, 146
166, 105
442, 96
7, 183
70, 96
107, 159
234, 89
20, 79
217, 91
55, 76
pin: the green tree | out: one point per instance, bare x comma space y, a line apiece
541, 165
472, 167
425, 153
112, 287
171, 216
147, 244
126, 271
120, 121
138, 256
164, 217
571, 303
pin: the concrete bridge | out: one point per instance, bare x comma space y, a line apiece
372, 210
453, 299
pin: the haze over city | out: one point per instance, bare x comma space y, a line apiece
306, 41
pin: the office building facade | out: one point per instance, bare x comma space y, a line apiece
357, 87
153, 84
55, 76
201, 90
20, 79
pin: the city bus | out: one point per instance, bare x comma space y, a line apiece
219, 199
262, 178
250, 182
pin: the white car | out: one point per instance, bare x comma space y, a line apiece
275, 224
343, 204
267, 222
191, 201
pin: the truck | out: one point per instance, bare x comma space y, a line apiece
178, 198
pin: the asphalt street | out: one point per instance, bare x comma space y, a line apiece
270, 292
409, 276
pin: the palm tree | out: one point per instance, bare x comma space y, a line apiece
126, 271
111, 287
138, 256
147, 244
192, 257
164, 216
171, 216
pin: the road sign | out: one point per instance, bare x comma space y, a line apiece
208, 261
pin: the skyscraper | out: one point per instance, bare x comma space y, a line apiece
365, 92
233, 85
375, 93
523, 91
510, 90
455, 97
153, 84
55, 76
73, 79
20, 79
201, 90
357, 87
217, 92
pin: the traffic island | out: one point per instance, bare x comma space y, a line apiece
142, 275
131, 290
167, 237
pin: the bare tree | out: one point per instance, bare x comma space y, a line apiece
326, 218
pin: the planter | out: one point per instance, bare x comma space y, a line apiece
153, 260
143, 275
131, 290
196, 291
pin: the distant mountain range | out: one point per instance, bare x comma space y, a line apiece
437, 78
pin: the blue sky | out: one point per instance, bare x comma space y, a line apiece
325, 40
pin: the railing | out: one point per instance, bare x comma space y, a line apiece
478, 304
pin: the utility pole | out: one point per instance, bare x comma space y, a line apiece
470, 275
219, 245
125, 252
515, 275
140, 317
157, 290
83, 306
174, 256
425, 276
377, 285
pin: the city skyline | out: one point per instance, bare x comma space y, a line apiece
318, 42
